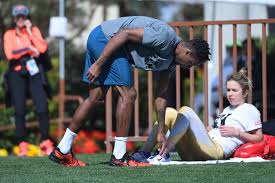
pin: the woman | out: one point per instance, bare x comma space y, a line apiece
23, 44
237, 124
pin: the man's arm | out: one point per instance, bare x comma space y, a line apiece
163, 79
123, 36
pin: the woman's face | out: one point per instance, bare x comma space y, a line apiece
20, 21
235, 94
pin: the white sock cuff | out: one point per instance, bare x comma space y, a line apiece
71, 132
123, 139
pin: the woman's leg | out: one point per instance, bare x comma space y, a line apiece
170, 118
191, 138
18, 86
40, 101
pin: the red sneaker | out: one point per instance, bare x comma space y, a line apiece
126, 161
23, 149
118, 162
46, 147
134, 163
65, 159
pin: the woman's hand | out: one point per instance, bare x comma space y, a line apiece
28, 25
33, 49
227, 131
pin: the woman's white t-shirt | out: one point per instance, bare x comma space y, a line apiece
245, 117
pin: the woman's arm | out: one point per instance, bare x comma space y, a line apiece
251, 136
10, 52
37, 40
10, 49
36, 37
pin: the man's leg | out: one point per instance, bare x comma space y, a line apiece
126, 99
127, 96
96, 95
63, 154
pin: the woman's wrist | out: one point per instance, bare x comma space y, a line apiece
239, 133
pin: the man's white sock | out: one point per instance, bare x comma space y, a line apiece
120, 147
66, 143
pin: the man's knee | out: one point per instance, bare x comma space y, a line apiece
94, 100
129, 96
132, 95
96, 96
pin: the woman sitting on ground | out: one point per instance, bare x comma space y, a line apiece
237, 124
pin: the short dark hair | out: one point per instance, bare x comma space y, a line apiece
200, 49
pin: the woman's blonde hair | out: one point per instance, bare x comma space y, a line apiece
242, 79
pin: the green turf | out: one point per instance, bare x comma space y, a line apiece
24, 170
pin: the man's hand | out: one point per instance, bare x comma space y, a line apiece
161, 138
209, 128
227, 131
93, 72
167, 146
163, 144
119, 39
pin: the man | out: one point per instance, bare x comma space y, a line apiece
146, 43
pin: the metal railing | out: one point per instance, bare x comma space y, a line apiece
34, 124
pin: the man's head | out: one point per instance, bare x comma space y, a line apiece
192, 52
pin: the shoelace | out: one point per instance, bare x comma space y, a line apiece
72, 159
156, 154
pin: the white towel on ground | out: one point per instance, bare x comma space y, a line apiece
231, 160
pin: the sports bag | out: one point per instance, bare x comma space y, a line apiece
264, 149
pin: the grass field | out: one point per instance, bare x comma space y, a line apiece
24, 170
